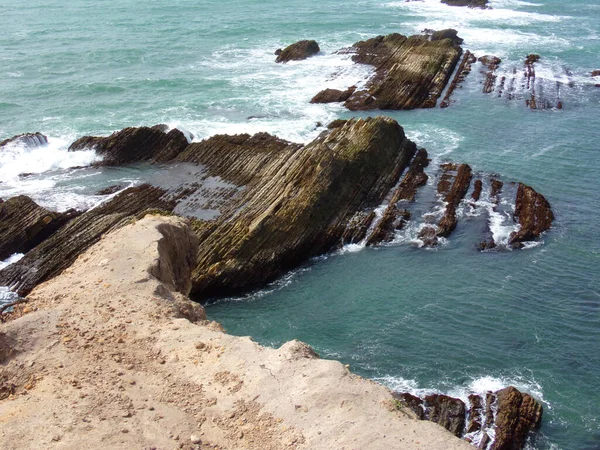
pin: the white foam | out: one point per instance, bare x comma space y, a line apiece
10, 260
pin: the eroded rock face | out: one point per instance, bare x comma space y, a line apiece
27, 139
24, 224
453, 184
517, 415
463, 70
533, 212
446, 411
297, 51
135, 145
410, 72
333, 95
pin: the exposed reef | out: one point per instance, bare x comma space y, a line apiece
469, 3
297, 51
410, 72
27, 140
261, 205
501, 420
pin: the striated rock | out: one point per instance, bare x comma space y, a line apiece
446, 411
517, 415
129, 145
410, 72
477, 187
27, 140
300, 204
358, 227
463, 70
453, 185
336, 123
491, 63
533, 213
111, 189
24, 224
333, 95
412, 401
297, 51
470, 3
448, 33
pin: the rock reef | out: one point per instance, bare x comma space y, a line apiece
469, 3
298, 51
501, 420
27, 140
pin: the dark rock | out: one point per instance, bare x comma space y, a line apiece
496, 189
470, 3
336, 123
333, 95
475, 413
463, 70
533, 213
24, 224
532, 58
446, 411
428, 235
491, 63
490, 402
487, 245
129, 145
27, 139
595, 73
477, 187
358, 227
484, 442
411, 401
454, 184
517, 415
410, 72
448, 33
297, 51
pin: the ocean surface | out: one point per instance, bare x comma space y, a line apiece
452, 319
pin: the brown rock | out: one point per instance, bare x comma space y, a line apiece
454, 186
27, 139
518, 414
533, 213
595, 73
475, 413
135, 145
411, 401
463, 70
428, 235
477, 187
410, 72
297, 51
24, 224
446, 411
333, 95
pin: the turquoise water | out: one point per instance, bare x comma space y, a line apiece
452, 319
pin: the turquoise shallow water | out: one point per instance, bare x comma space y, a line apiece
453, 319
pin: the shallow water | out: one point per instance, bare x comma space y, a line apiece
451, 319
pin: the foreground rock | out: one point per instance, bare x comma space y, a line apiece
28, 140
501, 421
297, 51
410, 72
24, 225
111, 354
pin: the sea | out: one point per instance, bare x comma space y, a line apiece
450, 319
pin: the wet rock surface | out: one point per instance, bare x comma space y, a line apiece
501, 420
298, 51
469, 3
410, 72
333, 95
533, 212
24, 225
27, 140
463, 70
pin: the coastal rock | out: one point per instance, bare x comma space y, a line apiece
428, 235
463, 70
24, 224
475, 413
518, 414
453, 185
412, 401
27, 140
477, 187
491, 63
132, 144
446, 411
410, 72
470, 3
333, 95
533, 213
596, 73
297, 51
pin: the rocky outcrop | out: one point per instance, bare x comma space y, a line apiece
463, 70
453, 185
533, 213
447, 412
410, 72
503, 420
135, 145
469, 3
297, 51
24, 225
27, 140
490, 64
333, 95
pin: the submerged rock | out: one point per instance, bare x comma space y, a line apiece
24, 225
129, 145
297, 51
469, 3
410, 72
28, 140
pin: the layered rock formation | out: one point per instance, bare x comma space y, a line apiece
298, 51
503, 420
463, 70
533, 213
410, 72
27, 140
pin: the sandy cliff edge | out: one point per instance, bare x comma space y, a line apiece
114, 355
